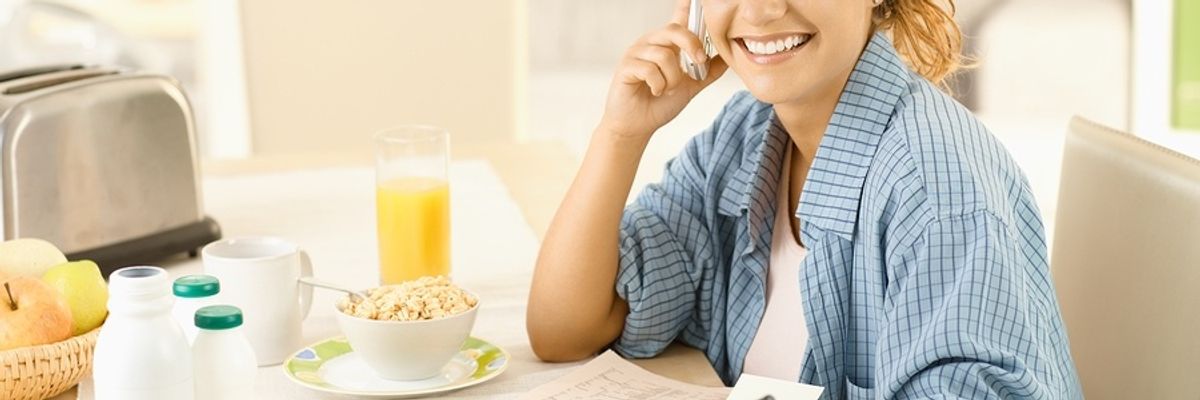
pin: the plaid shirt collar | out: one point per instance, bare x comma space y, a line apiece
833, 189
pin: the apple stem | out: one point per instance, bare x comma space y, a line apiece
11, 304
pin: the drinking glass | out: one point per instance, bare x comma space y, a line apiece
412, 200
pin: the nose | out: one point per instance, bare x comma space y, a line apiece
760, 12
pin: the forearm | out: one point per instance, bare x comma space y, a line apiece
573, 307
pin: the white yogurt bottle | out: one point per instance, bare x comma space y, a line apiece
141, 353
222, 358
193, 292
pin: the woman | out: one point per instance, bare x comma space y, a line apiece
844, 224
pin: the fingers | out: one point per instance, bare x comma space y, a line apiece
716, 68
679, 37
667, 61
655, 59
680, 14
638, 70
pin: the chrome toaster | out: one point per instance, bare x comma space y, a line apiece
102, 162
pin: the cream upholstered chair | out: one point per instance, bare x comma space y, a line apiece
1126, 264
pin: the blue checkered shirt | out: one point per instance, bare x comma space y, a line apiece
927, 272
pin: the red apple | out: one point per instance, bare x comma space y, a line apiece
32, 313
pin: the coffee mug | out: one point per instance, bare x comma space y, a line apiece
261, 276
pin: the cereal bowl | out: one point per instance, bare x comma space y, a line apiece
407, 350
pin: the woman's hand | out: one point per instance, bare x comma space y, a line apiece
649, 88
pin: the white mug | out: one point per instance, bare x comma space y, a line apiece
261, 276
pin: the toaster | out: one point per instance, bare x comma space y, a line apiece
102, 162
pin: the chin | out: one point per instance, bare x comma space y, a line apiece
770, 96
773, 91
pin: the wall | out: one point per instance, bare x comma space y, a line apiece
323, 76
584, 33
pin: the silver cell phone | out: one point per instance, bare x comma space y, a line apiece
698, 71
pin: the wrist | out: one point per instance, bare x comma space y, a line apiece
621, 137
617, 145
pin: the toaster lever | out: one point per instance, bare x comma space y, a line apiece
28, 72
31, 86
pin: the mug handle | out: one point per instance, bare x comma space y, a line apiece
306, 291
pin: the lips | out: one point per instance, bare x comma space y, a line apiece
774, 48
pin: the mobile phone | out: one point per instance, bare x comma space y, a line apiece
698, 71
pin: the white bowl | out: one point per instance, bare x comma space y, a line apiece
407, 350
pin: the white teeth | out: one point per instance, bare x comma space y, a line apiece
767, 48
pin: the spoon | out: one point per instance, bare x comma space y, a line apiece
308, 280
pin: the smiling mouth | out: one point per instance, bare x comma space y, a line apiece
785, 44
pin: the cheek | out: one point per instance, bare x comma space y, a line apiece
841, 53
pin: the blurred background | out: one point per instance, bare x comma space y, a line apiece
277, 78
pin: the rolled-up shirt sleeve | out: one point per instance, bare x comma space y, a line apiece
665, 247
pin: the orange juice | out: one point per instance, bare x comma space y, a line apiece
414, 228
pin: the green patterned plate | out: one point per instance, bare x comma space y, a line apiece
331, 366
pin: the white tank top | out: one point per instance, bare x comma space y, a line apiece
778, 347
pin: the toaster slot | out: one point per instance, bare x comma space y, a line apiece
28, 72
57, 80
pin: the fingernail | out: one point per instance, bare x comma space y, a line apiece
701, 57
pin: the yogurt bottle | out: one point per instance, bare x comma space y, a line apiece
222, 358
141, 353
193, 292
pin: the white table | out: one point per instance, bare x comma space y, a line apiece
330, 212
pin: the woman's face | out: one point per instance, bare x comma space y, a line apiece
789, 51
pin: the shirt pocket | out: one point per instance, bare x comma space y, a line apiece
855, 392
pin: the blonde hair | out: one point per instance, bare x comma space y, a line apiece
925, 34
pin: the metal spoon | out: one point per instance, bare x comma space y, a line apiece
308, 280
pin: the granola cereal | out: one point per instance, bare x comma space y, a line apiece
421, 299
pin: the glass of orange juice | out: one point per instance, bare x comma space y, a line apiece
412, 201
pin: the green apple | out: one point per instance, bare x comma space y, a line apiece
32, 313
84, 288
28, 257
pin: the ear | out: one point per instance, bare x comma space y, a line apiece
873, 7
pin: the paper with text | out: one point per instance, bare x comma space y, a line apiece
610, 377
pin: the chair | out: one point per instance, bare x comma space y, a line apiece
1126, 264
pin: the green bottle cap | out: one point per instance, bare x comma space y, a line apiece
218, 317
194, 286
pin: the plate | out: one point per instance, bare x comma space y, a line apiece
331, 366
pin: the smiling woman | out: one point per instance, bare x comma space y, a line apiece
844, 223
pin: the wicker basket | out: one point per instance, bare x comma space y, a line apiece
39, 372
